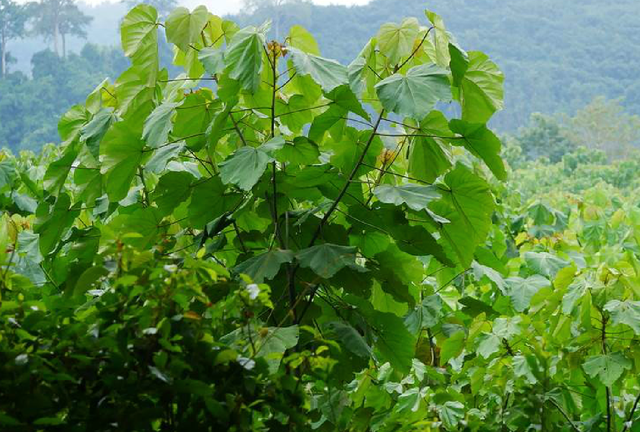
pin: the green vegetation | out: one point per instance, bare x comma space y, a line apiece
272, 240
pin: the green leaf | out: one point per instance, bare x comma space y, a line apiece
300, 38
452, 347
245, 167
244, 57
489, 344
351, 339
264, 266
121, 151
607, 367
183, 27
327, 259
522, 290
344, 97
212, 59
481, 92
274, 343
414, 94
451, 413
468, 204
482, 143
426, 315
93, 132
209, 201
545, 263
327, 73
625, 312
429, 158
53, 223
414, 196
441, 38
139, 33
172, 189
158, 125
394, 342
396, 41
522, 368
302, 151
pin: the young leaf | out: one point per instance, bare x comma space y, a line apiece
397, 41
184, 28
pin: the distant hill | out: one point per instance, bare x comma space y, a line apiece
557, 54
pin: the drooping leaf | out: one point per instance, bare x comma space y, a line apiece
467, 203
243, 57
327, 259
452, 347
264, 266
327, 73
158, 125
416, 197
481, 92
121, 150
489, 344
482, 143
393, 340
351, 339
245, 167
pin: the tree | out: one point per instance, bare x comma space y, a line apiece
604, 125
54, 19
544, 136
12, 26
274, 9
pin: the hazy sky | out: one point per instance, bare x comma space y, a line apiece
229, 6
220, 7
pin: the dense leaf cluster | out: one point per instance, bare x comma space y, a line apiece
272, 240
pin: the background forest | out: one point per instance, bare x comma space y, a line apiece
557, 56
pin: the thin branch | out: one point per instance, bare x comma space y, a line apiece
414, 51
342, 193
235, 126
564, 414
631, 413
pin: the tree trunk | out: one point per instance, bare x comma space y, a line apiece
3, 53
64, 45
56, 33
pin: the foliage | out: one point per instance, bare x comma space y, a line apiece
274, 241
29, 106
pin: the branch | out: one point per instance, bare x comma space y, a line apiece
630, 416
414, 51
342, 193
564, 414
